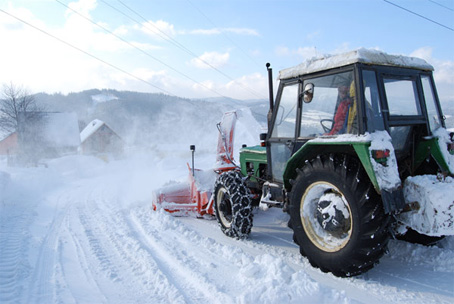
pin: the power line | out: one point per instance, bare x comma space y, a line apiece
160, 33
141, 50
182, 47
85, 52
448, 8
421, 16
176, 43
225, 35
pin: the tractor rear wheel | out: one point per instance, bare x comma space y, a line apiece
337, 217
233, 205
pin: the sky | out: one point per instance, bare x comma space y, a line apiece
208, 48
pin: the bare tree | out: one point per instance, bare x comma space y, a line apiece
14, 100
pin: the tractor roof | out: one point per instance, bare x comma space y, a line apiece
362, 55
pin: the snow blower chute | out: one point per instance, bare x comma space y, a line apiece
195, 195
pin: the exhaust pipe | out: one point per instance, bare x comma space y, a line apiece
270, 86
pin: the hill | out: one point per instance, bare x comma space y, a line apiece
146, 118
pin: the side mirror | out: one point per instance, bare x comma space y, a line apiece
308, 92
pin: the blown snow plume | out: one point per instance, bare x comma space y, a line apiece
195, 195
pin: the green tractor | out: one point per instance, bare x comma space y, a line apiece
354, 145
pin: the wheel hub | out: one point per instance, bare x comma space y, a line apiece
225, 208
330, 214
326, 216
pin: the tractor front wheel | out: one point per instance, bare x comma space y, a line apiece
337, 217
232, 205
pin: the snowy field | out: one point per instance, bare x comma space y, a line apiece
81, 230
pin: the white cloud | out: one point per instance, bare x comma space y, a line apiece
80, 30
444, 69
218, 31
242, 31
205, 87
302, 53
253, 86
210, 59
83, 7
443, 73
158, 29
43, 63
307, 52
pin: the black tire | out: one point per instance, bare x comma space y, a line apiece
232, 205
337, 217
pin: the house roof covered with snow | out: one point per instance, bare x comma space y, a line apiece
91, 128
362, 55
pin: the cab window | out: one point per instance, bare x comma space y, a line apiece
402, 96
372, 102
285, 122
332, 110
432, 110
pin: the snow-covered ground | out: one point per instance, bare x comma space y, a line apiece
82, 231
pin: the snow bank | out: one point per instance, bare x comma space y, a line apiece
273, 281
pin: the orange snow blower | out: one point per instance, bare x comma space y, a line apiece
195, 195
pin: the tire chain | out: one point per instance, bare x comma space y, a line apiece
239, 195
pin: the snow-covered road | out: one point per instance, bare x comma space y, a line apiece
83, 231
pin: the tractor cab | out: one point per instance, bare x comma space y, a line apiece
327, 104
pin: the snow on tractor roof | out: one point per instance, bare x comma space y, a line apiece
362, 55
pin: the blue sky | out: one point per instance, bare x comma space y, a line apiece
163, 46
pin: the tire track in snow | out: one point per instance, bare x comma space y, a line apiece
243, 272
42, 289
14, 264
73, 266
117, 258
174, 254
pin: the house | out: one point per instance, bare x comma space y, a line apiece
9, 144
98, 138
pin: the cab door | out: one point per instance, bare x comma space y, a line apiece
281, 141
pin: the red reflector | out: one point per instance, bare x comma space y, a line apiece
379, 154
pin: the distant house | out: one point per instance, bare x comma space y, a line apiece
99, 138
9, 145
